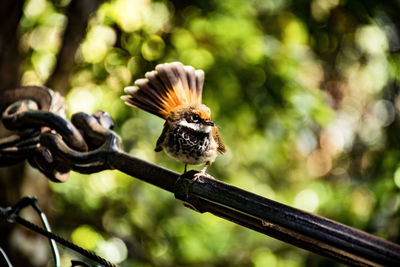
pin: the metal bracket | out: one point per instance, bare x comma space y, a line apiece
183, 191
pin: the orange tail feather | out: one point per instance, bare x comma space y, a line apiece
169, 86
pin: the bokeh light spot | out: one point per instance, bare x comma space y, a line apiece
319, 163
86, 237
307, 200
199, 58
397, 177
99, 39
114, 250
263, 258
371, 39
34, 8
384, 112
362, 201
153, 48
80, 99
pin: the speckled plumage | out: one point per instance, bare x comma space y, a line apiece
190, 146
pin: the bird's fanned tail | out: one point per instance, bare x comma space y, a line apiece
168, 86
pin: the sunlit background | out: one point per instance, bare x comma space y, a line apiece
306, 97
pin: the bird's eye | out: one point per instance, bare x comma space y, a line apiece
195, 118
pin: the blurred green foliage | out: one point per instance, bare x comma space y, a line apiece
306, 95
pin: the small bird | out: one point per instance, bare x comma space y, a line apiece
173, 92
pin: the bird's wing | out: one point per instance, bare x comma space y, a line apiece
161, 139
218, 139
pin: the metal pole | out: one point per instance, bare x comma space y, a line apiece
311, 232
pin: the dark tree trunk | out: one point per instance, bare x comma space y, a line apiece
23, 247
78, 14
12, 178
10, 14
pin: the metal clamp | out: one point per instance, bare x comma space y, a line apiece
47, 139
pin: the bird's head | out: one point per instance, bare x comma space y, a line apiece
194, 116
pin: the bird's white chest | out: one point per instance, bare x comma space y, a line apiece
190, 145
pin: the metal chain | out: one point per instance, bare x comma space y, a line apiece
35, 115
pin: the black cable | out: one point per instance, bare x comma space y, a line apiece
60, 240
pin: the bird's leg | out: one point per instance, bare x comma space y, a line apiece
185, 168
203, 172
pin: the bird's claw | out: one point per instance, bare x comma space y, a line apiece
197, 177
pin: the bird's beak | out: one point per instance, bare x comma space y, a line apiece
208, 122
